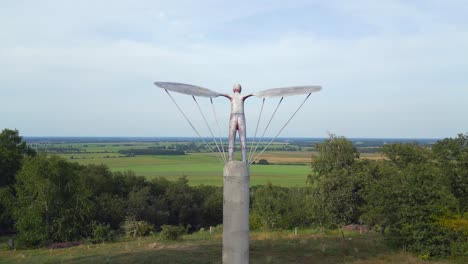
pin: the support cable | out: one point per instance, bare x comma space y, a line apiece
219, 129
209, 128
264, 131
282, 128
256, 129
190, 123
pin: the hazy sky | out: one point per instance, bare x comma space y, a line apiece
86, 68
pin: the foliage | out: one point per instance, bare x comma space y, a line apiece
334, 153
151, 151
102, 233
134, 228
49, 190
403, 155
183, 205
170, 232
408, 197
66, 201
452, 157
416, 196
31, 230
269, 204
338, 178
406, 193
7, 201
110, 208
12, 151
146, 204
263, 162
211, 200
457, 225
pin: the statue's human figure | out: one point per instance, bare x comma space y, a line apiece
237, 121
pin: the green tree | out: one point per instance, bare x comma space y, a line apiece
211, 200
184, 209
270, 205
411, 193
110, 210
452, 157
337, 177
52, 204
12, 151
334, 153
403, 155
145, 205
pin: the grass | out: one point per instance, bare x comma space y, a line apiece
308, 246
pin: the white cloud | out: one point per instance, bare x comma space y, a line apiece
90, 65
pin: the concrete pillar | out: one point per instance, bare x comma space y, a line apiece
236, 213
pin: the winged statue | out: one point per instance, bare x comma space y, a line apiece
237, 118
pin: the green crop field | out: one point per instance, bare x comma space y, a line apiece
287, 168
199, 168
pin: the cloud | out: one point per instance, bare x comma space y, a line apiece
86, 68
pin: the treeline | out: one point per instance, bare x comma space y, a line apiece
416, 197
78, 202
61, 150
151, 151
48, 199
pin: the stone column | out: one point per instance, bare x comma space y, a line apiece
236, 213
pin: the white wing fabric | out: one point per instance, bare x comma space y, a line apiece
187, 89
287, 91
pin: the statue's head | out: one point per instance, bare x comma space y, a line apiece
237, 88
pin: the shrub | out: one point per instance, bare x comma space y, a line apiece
255, 221
169, 232
101, 233
32, 232
134, 228
429, 238
458, 224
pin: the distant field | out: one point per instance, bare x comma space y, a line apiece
199, 168
288, 168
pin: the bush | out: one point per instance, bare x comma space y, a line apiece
255, 221
458, 224
134, 228
459, 248
101, 233
169, 232
429, 238
31, 231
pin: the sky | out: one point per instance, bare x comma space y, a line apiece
388, 68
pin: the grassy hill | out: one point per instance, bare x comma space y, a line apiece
309, 246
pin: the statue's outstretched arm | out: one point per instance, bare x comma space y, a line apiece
187, 89
226, 95
247, 96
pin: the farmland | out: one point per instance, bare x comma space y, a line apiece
287, 168
289, 160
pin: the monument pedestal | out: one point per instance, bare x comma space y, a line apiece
236, 213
